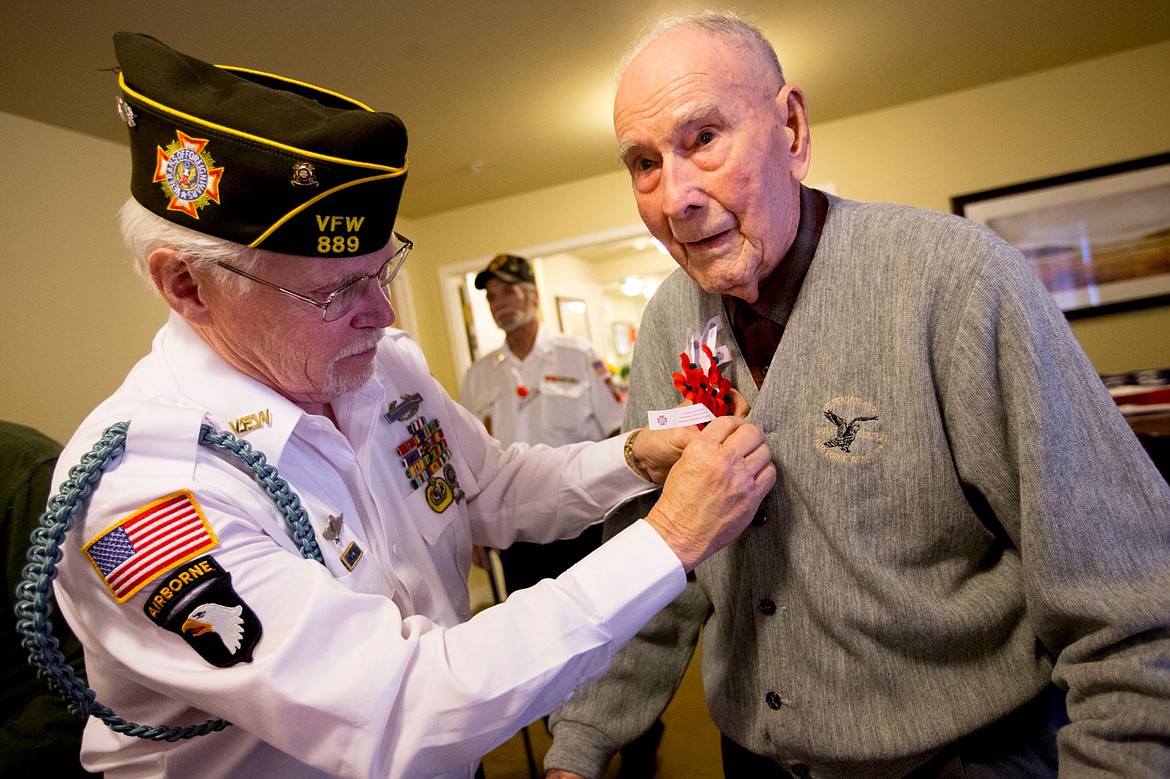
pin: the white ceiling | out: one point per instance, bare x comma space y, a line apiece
514, 95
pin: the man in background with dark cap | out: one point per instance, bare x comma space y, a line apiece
319, 609
540, 387
544, 387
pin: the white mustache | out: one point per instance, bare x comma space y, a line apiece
361, 346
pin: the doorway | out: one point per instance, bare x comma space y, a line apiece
594, 287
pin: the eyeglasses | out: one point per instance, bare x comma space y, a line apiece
338, 302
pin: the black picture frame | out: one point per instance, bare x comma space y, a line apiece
1099, 238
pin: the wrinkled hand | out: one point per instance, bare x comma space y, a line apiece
713, 490
557, 773
658, 450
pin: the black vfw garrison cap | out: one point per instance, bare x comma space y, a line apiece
255, 158
508, 268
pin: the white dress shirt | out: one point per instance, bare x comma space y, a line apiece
560, 393
375, 671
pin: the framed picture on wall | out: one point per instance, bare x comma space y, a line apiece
574, 316
623, 337
1099, 238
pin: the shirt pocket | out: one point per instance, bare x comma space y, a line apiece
565, 402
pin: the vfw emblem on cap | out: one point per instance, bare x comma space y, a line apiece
188, 174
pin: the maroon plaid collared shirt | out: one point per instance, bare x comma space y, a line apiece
758, 327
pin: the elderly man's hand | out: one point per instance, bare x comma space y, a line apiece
713, 491
656, 451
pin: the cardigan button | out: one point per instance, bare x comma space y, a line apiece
773, 700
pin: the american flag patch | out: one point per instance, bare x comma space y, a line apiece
149, 542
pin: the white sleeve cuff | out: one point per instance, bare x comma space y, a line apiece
630, 578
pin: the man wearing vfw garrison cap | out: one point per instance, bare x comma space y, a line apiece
540, 387
255, 158
324, 622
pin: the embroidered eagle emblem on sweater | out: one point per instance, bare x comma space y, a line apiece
846, 431
853, 434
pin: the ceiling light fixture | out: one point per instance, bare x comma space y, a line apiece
632, 286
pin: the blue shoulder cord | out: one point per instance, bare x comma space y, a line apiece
33, 607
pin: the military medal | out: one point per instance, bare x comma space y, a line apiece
188, 174
401, 411
425, 459
439, 494
522, 391
332, 532
352, 554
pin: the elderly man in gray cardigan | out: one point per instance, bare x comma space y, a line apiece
964, 566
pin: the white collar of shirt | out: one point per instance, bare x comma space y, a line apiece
236, 402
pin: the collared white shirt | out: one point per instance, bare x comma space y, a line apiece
560, 393
376, 671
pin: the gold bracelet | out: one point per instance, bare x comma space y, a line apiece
631, 458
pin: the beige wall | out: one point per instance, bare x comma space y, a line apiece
74, 315
73, 318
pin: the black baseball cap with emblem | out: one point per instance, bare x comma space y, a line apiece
508, 268
255, 158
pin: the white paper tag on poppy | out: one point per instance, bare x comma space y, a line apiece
682, 416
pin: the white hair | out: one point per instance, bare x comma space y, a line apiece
728, 25
144, 231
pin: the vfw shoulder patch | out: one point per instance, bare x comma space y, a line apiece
154, 539
197, 601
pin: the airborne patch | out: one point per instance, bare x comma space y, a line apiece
197, 602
